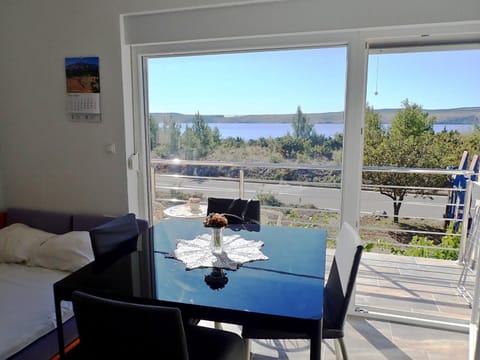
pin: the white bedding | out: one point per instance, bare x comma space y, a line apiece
27, 310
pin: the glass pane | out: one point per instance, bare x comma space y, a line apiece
264, 125
422, 119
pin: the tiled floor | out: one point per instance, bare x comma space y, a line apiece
416, 287
370, 340
374, 339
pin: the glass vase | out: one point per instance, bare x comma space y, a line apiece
216, 243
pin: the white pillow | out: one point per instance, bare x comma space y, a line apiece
18, 242
68, 252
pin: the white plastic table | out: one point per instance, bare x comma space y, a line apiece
184, 212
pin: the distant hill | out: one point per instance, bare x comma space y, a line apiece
457, 116
443, 116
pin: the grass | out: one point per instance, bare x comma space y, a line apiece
401, 232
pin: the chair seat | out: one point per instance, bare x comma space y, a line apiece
203, 343
206, 343
115, 329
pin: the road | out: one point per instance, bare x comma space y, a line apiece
322, 198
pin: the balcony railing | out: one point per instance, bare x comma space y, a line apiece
309, 195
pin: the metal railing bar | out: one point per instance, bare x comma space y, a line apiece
179, 162
295, 183
254, 181
415, 203
389, 169
407, 231
223, 179
306, 183
418, 246
415, 218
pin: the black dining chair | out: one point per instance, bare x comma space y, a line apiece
337, 294
237, 211
119, 234
113, 329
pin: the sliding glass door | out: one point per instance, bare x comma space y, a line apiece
266, 125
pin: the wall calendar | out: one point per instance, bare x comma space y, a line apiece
83, 88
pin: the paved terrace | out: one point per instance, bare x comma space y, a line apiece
417, 286
420, 286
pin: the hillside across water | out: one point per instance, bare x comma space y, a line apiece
443, 116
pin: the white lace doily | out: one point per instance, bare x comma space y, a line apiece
196, 253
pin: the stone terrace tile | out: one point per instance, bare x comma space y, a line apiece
415, 286
372, 340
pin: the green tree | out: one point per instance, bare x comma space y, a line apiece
171, 135
374, 131
153, 133
411, 121
167, 138
199, 139
409, 142
202, 132
174, 130
471, 141
302, 128
189, 144
291, 147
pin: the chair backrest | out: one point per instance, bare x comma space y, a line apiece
119, 233
342, 276
111, 329
237, 211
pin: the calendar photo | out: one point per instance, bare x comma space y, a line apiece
82, 74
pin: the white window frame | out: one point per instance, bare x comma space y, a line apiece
357, 43
355, 95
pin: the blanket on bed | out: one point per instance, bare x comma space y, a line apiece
26, 305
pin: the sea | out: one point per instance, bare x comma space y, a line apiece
254, 131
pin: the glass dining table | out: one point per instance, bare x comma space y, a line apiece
284, 291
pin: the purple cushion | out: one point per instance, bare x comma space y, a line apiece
85, 222
58, 222
53, 222
142, 225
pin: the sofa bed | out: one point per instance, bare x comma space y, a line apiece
38, 248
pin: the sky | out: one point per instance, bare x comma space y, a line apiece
87, 60
276, 82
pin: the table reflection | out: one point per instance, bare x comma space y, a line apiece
217, 279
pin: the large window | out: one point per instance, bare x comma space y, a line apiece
278, 116
248, 96
423, 110
422, 119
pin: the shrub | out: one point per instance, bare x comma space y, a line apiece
421, 246
269, 199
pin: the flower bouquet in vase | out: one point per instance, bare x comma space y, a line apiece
217, 222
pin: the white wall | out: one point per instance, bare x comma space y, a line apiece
50, 162
1, 192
